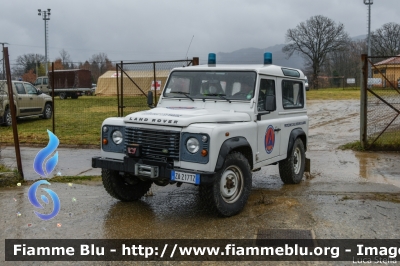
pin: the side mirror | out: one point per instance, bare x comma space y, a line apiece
150, 99
38, 92
270, 103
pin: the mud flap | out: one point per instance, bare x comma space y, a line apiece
307, 167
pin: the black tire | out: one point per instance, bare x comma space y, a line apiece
118, 187
74, 96
48, 111
291, 169
63, 95
7, 117
231, 187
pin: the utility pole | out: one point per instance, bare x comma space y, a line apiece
369, 3
4, 73
46, 16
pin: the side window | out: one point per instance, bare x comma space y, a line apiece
267, 87
38, 81
30, 89
20, 88
45, 81
292, 94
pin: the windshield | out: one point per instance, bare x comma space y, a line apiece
229, 85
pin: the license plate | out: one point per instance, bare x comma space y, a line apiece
185, 177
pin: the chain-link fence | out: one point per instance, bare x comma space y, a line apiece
325, 82
77, 120
382, 103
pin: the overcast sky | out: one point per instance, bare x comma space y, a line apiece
162, 30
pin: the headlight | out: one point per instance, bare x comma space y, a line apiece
192, 145
117, 137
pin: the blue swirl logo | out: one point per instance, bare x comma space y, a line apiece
35, 202
41, 168
44, 168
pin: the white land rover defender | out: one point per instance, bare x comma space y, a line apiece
213, 126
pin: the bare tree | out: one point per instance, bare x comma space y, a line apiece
99, 65
26, 62
314, 39
385, 41
65, 58
345, 63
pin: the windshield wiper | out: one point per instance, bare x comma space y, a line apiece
220, 95
184, 93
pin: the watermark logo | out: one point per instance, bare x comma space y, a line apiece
35, 202
44, 167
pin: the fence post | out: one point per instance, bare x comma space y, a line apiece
117, 79
155, 84
52, 97
363, 101
13, 114
122, 89
195, 61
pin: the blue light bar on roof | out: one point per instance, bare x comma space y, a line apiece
212, 59
267, 58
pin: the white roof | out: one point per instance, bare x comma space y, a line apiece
272, 70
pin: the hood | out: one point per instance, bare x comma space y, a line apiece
184, 116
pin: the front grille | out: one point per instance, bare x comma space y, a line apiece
155, 144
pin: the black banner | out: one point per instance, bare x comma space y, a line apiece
355, 250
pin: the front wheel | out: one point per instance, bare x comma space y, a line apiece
48, 111
291, 169
124, 188
231, 187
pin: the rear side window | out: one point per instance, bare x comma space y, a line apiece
20, 88
45, 81
292, 94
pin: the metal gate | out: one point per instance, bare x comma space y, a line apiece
380, 103
135, 80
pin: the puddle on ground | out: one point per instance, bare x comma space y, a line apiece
379, 167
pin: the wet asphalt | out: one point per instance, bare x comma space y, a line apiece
347, 195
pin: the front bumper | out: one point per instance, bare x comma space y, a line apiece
130, 165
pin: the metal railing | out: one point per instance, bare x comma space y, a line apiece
135, 80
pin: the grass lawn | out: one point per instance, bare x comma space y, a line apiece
334, 94
77, 122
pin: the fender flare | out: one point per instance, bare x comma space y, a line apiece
296, 133
227, 147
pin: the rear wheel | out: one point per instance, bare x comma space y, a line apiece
291, 169
63, 95
122, 187
231, 187
7, 117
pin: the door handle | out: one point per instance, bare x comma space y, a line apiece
277, 129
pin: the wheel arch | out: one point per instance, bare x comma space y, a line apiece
8, 107
50, 102
239, 144
294, 134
